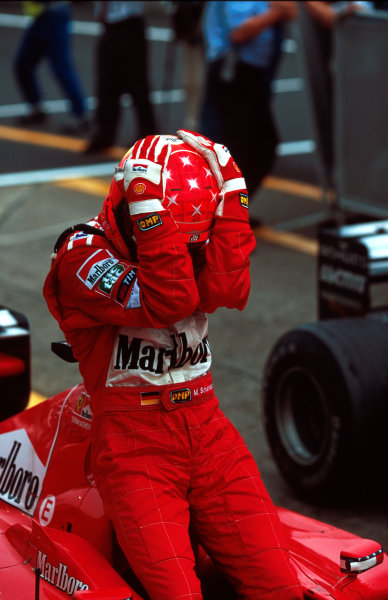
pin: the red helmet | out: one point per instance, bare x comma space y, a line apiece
191, 192
191, 195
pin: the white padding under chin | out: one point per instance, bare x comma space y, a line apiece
233, 185
145, 206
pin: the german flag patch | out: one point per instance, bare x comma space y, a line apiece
149, 398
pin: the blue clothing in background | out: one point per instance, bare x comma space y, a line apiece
222, 17
48, 36
236, 103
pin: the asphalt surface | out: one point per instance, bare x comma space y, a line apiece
283, 294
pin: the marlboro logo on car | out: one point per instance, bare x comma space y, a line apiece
21, 471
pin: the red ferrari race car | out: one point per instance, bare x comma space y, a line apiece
56, 542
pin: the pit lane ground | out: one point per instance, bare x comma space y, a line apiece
40, 196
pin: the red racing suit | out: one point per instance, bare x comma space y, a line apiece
163, 453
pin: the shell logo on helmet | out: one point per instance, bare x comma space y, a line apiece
139, 188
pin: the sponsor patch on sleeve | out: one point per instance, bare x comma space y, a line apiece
108, 280
134, 299
125, 286
95, 267
149, 222
244, 200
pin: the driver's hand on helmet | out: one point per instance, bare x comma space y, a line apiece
140, 174
234, 195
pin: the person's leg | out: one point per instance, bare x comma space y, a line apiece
108, 89
29, 53
57, 46
210, 118
135, 80
141, 470
236, 520
253, 135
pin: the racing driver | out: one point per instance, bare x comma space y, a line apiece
131, 290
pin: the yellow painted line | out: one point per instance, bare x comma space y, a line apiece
35, 399
295, 188
52, 140
62, 142
94, 187
99, 187
292, 241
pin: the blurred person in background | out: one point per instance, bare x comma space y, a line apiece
48, 36
243, 47
121, 67
187, 25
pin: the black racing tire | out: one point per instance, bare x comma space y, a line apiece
325, 401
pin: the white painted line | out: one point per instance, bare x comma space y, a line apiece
291, 84
15, 21
63, 106
51, 175
21, 108
296, 148
289, 46
32, 235
104, 169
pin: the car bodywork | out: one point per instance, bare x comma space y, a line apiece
56, 541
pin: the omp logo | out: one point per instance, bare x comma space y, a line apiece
194, 237
92, 270
57, 575
139, 168
178, 396
149, 222
244, 200
21, 471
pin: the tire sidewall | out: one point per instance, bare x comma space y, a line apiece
298, 351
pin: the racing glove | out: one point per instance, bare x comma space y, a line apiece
233, 193
141, 179
141, 176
